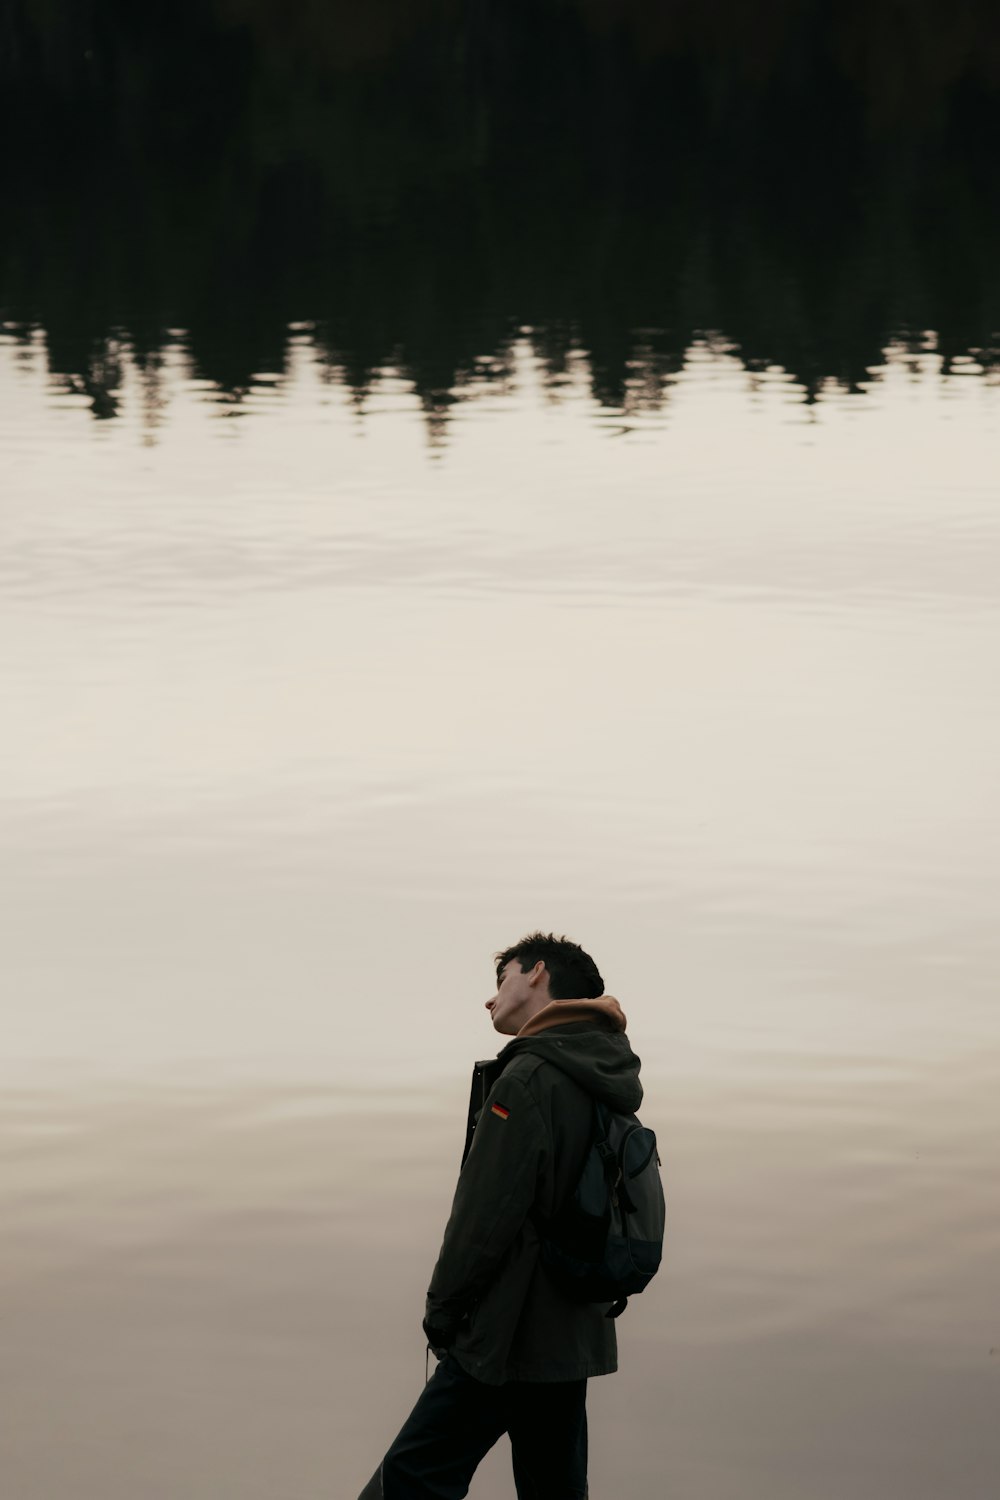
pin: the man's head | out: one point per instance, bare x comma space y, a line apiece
540, 968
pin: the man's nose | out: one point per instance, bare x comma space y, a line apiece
491, 1002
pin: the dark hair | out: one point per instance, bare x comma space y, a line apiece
573, 975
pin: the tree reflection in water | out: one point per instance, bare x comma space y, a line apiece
420, 182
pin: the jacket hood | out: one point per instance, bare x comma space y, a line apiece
559, 1012
585, 1039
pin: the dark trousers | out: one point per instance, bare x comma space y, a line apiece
457, 1420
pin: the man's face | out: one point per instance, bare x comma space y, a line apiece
515, 998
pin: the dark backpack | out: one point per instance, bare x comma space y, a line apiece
606, 1242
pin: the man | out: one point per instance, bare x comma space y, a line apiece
515, 1353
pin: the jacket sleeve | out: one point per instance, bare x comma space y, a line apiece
495, 1193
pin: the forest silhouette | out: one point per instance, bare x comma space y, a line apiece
421, 181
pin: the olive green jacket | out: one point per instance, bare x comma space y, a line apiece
530, 1116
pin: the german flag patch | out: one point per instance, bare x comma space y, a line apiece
498, 1109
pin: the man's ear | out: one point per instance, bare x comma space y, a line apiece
537, 972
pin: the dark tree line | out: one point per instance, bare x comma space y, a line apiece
422, 178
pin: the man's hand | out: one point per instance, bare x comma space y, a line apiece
439, 1337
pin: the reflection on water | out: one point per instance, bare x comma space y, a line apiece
123, 382
305, 721
620, 180
211, 1290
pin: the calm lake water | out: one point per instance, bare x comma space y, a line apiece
313, 704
